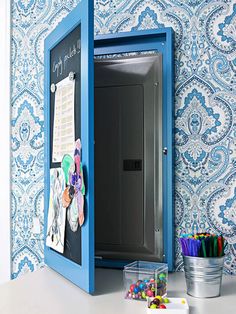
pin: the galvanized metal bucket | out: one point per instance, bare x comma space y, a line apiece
203, 276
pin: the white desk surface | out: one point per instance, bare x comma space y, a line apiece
46, 292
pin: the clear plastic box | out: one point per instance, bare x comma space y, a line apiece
145, 279
174, 306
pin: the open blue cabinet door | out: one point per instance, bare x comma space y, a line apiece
73, 38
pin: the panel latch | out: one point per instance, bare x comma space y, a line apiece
165, 150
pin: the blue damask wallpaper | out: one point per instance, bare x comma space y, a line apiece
205, 102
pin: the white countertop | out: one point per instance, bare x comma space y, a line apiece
46, 292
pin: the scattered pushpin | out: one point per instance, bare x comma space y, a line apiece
162, 306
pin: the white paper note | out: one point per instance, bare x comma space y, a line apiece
64, 123
56, 212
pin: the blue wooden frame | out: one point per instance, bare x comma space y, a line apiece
83, 275
148, 40
161, 40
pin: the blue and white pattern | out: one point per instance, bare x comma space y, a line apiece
205, 102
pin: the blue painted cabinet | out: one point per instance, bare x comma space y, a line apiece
81, 18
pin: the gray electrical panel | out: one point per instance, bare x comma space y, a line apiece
128, 157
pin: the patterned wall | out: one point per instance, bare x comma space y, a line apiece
205, 63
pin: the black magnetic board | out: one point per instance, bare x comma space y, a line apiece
65, 57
